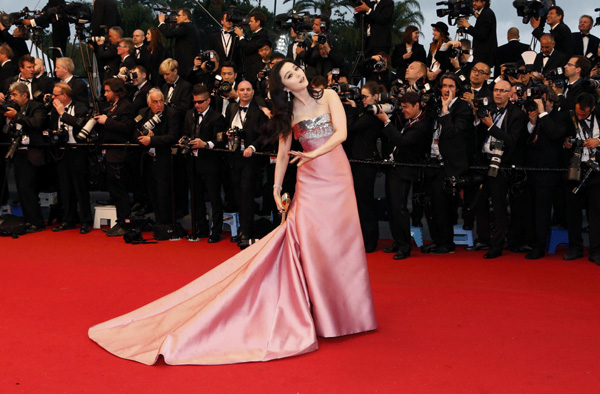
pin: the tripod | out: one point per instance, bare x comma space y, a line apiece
361, 55
88, 63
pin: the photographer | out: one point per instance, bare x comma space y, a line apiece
8, 69
322, 58
125, 50
72, 163
63, 69
408, 51
158, 129
376, 69
297, 47
576, 69
51, 14
558, 29
249, 47
26, 75
511, 51
105, 13
500, 133
361, 144
244, 121
478, 77
43, 81
378, 17
456, 57
584, 145
16, 41
549, 58
225, 42
410, 145
201, 127
226, 92
547, 127
27, 119
440, 37
117, 127
483, 32
449, 150
187, 42
138, 89
206, 66
107, 53
177, 91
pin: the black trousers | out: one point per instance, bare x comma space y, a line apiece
244, 177
157, 180
588, 197
541, 212
73, 182
495, 189
209, 184
364, 187
442, 211
26, 177
396, 191
118, 180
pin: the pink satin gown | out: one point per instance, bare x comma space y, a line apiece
307, 278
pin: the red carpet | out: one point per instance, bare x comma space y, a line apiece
447, 324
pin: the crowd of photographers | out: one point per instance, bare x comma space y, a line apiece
509, 141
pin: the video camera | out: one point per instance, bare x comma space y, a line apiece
237, 17
301, 22
16, 18
171, 15
528, 9
455, 9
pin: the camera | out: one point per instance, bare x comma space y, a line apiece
17, 137
171, 15
6, 105
97, 40
149, 125
207, 57
528, 9
532, 94
234, 135
453, 184
185, 145
59, 137
485, 107
222, 87
497, 148
301, 22
372, 65
48, 102
237, 17
87, 132
455, 9
557, 76
379, 108
431, 100
346, 92
264, 73
322, 39
574, 171
14, 18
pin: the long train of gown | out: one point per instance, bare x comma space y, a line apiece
307, 278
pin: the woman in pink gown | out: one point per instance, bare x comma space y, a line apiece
307, 278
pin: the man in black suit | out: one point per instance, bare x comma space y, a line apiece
125, 50
244, 165
28, 118
27, 76
588, 134
63, 69
140, 49
549, 58
138, 89
44, 82
449, 150
225, 42
205, 69
411, 145
107, 53
187, 42
8, 68
105, 14
297, 47
507, 126
158, 136
72, 164
558, 29
221, 98
585, 43
378, 17
16, 41
60, 26
117, 127
202, 125
576, 69
252, 62
511, 51
485, 41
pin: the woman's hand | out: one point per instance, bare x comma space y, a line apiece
301, 157
277, 198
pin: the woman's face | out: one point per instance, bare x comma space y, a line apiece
148, 36
436, 34
415, 36
293, 77
368, 98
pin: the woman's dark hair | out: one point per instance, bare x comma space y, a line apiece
281, 122
155, 39
407, 36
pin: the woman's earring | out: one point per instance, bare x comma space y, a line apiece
289, 96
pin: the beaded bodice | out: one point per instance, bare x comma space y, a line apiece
313, 132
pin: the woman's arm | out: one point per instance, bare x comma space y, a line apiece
338, 119
280, 166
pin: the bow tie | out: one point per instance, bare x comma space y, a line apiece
244, 109
545, 56
171, 85
585, 35
24, 80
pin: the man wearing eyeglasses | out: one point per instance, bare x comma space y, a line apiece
508, 125
187, 42
125, 50
576, 68
202, 125
72, 163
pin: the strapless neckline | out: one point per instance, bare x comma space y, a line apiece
313, 118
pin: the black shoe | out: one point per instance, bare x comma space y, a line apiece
63, 226
417, 223
535, 254
214, 238
392, 249
117, 230
493, 253
401, 255
236, 239
441, 250
136, 207
105, 202
520, 249
478, 246
32, 228
85, 228
595, 259
573, 254
467, 226
427, 248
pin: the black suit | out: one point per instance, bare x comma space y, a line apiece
252, 62
562, 36
187, 44
108, 60
60, 25
105, 13
401, 64
215, 42
79, 90
510, 53
556, 59
411, 145
17, 44
485, 41
37, 90
181, 99
141, 56
128, 62
380, 20
154, 60
139, 96
245, 170
73, 169
592, 47
157, 166
205, 164
8, 70
29, 161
